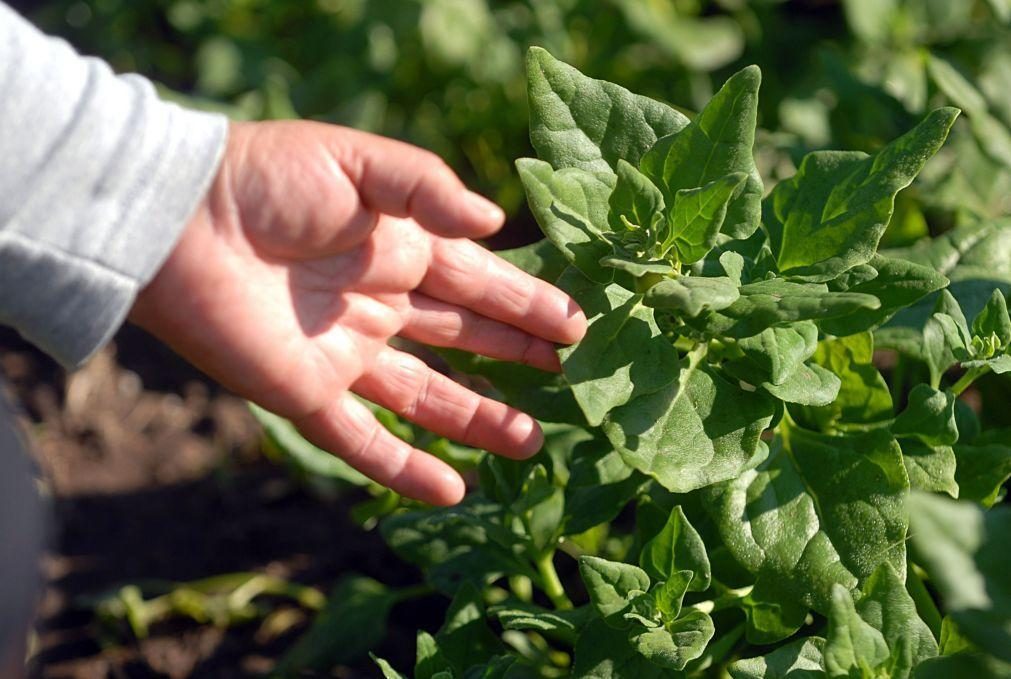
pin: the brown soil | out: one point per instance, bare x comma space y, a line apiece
155, 473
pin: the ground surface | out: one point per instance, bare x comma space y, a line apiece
156, 473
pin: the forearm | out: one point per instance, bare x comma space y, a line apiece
97, 179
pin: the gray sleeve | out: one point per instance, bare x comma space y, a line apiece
98, 177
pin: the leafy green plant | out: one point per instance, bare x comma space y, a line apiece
728, 478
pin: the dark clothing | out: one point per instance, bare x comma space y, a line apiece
21, 536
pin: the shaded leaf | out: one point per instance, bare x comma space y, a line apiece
677, 547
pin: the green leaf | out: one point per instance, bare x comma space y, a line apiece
698, 215
830, 216
677, 644
929, 416
767, 303
543, 395
966, 664
465, 638
946, 336
930, 468
863, 395
541, 506
352, 623
579, 122
983, 468
897, 284
677, 547
465, 543
603, 652
600, 485
570, 205
994, 320
303, 455
635, 201
717, 143
387, 669
780, 352
800, 659
612, 585
772, 615
700, 430
809, 385
429, 661
563, 625
964, 551
843, 517
888, 608
623, 355
541, 259
669, 594
853, 648
692, 295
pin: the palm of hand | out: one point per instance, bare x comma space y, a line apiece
308, 257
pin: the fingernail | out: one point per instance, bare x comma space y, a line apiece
483, 209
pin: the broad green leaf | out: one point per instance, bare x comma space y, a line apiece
637, 266
675, 548
635, 201
692, 295
563, 625
983, 468
863, 396
767, 303
465, 638
669, 594
570, 205
623, 355
994, 320
888, 608
602, 652
541, 259
718, 142
698, 216
821, 510
700, 430
994, 136
387, 669
676, 644
612, 585
930, 468
541, 394
541, 506
946, 336
302, 455
965, 664
830, 216
897, 284
929, 416
809, 385
772, 614
465, 543
780, 352
800, 659
352, 623
853, 648
964, 551
599, 486
429, 661
579, 122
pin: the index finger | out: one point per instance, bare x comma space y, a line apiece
461, 272
403, 180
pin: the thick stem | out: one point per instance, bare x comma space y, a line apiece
550, 581
970, 376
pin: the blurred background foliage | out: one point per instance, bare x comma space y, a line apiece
448, 74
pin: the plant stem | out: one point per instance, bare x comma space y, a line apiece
550, 582
970, 376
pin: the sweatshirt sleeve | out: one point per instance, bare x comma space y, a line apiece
98, 177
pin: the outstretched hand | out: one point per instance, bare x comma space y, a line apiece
314, 247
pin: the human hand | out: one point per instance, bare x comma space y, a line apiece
314, 247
